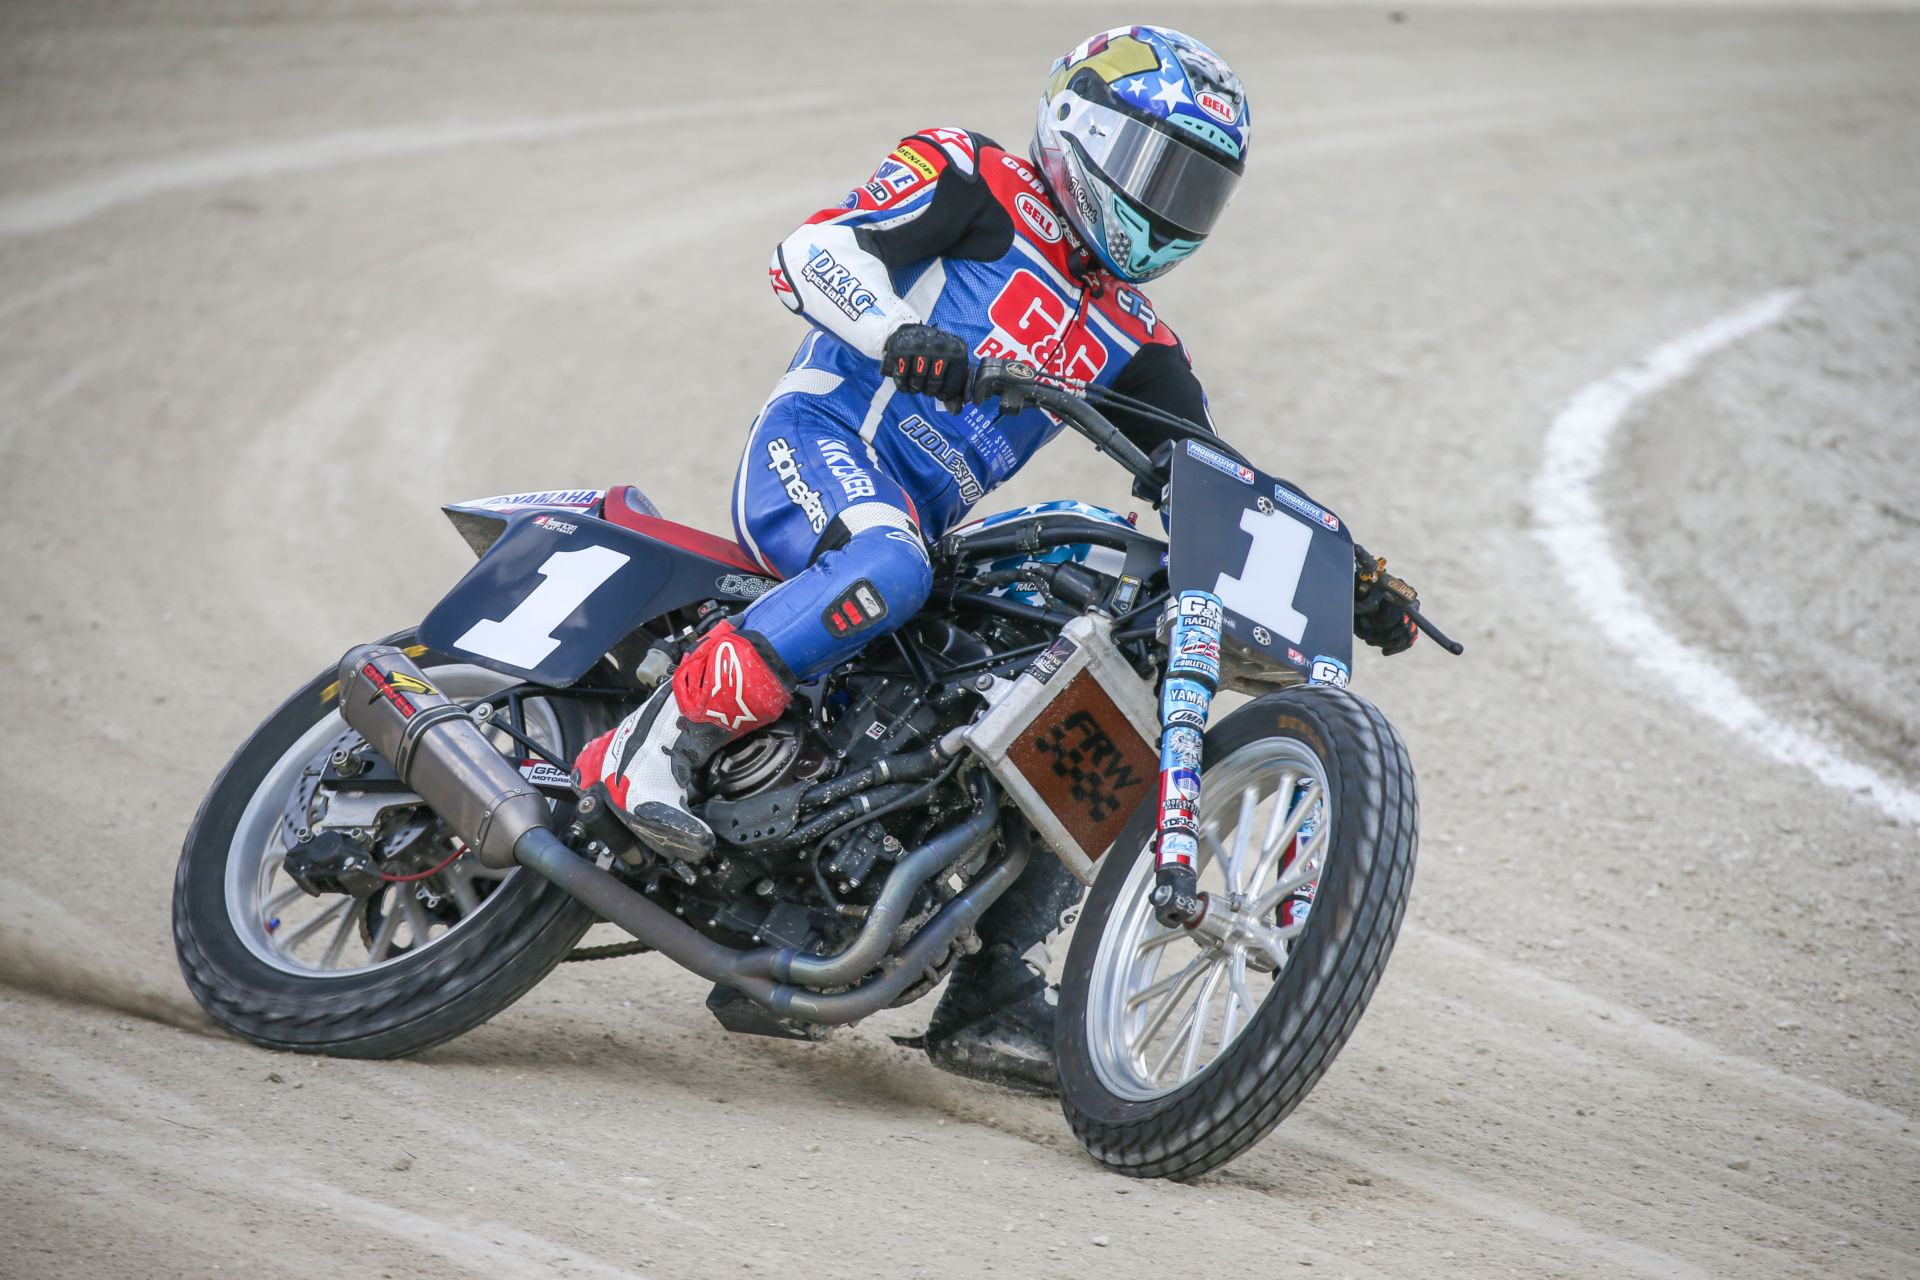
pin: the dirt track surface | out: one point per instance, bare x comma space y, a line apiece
276, 282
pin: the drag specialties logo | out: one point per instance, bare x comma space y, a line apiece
1032, 322
1097, 773
554, 525
394, 688
786, 468
1305, 508
952, 459
853, 478
1219, 462
1038, 217
839, 284
859, 609
746, 586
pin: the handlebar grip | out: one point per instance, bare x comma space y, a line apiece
1434, 633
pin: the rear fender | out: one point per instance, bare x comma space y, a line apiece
556, 589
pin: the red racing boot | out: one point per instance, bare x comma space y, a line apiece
731, 684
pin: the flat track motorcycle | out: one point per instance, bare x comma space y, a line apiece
396, 854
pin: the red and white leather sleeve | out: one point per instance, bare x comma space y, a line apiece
824, 272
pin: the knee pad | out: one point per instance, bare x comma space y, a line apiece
872, 575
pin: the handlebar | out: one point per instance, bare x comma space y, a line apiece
1019, 384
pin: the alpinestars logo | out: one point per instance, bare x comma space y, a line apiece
843, 289
730, 680
947, 454
786, 468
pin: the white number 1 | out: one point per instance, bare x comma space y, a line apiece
1264, 591
524, 637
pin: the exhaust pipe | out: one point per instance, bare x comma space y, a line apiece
542, 851
947, 849
437, 749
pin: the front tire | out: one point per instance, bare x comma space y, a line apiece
1299, 927
374, 978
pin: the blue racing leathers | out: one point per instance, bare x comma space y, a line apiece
845, 480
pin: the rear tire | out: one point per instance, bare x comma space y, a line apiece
1124, 1116
422, 995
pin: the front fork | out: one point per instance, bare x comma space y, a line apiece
1193, 674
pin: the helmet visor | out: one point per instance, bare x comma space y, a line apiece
1168, 177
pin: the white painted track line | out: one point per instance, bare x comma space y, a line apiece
1568, 519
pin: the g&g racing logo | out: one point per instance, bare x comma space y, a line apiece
786, 468
947, 454
843, 289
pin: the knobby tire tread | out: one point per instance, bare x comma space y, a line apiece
1268, 1070
405, 1008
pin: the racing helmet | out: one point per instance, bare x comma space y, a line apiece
1141, 138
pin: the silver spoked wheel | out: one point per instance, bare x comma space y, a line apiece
1165, 1003
335, 935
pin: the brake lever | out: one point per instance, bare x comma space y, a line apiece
1434, 633
1369, 570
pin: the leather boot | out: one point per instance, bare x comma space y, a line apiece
731, 684
995, 1022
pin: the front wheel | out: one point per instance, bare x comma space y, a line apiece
443, 945
1181, 1048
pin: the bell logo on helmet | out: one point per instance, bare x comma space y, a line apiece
1221, 109
1038, 217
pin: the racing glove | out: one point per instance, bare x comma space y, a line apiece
1380, 605
925, 361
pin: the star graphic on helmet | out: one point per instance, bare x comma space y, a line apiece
1172, 94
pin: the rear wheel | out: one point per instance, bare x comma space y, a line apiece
1179, 1049
416, 962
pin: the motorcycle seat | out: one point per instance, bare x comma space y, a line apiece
623, 507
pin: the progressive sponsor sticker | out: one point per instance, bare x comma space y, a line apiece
1219, 462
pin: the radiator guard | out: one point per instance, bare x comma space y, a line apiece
1074, 740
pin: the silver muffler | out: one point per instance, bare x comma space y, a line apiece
438, 750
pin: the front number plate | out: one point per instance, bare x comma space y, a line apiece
1280, 563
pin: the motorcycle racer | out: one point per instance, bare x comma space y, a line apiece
955, 249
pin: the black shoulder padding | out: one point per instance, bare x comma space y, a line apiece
963, 221
1160, 375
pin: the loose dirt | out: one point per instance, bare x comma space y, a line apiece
279, 279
